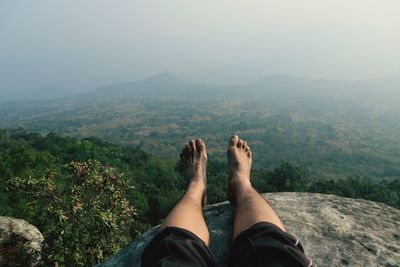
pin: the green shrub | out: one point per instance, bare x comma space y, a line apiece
85, 219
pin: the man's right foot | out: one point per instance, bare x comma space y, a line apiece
239, 166
194, 164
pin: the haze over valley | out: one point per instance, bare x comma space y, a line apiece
333, 128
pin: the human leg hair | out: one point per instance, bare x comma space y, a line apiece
188, 212
251, 207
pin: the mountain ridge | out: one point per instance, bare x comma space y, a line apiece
166, 84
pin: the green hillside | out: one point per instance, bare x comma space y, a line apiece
51, 181
335, 128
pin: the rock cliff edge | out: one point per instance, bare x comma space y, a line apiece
335, 231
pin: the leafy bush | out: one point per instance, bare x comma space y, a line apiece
86, 219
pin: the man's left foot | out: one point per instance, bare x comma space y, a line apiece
194, 164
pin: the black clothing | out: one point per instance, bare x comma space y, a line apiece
263, 244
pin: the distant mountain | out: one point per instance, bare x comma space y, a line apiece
277, 82
281, 87
282, 90
331, 126
275, 88
163, 85
161, 81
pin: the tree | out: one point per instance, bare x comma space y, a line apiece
84, 220
286, 177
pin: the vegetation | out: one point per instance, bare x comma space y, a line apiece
332, 140
89, 197
85, 216
84, 208
288, 177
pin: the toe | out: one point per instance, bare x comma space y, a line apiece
202, 142
200, 145
185, 155
186, 151
244, 144
240, 143
249, 154
234, 140
192, 145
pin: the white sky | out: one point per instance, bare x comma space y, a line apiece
78, 45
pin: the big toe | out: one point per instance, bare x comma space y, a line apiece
234, 140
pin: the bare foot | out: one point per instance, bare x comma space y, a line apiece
194, 165
239, 166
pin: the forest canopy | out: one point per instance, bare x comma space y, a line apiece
32, 165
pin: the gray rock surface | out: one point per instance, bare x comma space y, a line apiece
23, 229
335, 231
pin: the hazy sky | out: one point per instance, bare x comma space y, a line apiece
77, 45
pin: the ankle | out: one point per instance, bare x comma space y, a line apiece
239, 181
196, 187
237, 185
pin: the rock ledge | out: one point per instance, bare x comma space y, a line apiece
31, 236
335, 231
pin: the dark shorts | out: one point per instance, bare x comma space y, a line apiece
263, 244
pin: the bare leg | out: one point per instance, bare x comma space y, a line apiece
188, 212
251, 207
